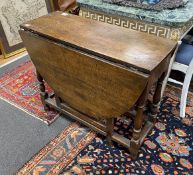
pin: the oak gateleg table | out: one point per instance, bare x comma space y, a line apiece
98, 71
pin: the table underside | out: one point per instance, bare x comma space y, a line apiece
100, 127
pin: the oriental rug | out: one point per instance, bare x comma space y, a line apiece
60, 152
20, 88
22, 136
167, 150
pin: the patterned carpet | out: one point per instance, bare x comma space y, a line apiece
59, 152
78, 151
20, 88
167, 149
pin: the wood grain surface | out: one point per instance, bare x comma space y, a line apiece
127, 47
98, 71
92, 86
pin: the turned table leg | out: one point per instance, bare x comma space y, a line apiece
138, 121
156, 99
109, 130
58, 100
43, 93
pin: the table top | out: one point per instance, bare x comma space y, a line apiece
175, 18
119, 45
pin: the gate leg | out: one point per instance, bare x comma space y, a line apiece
109, 130
156, 99
138, 121
43, 93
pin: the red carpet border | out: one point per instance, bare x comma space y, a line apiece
60, 152
19, 87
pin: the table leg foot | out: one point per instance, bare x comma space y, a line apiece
43, 93
134, 149
46, 107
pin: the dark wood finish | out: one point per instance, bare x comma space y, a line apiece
98, 71
138, 122
96, 94
119, 45
97, 126
156, 98
43, 93
109, 130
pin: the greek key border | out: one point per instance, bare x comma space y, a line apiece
156, 30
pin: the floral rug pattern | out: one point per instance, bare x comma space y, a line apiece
20, 88
59, 152
168, 149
